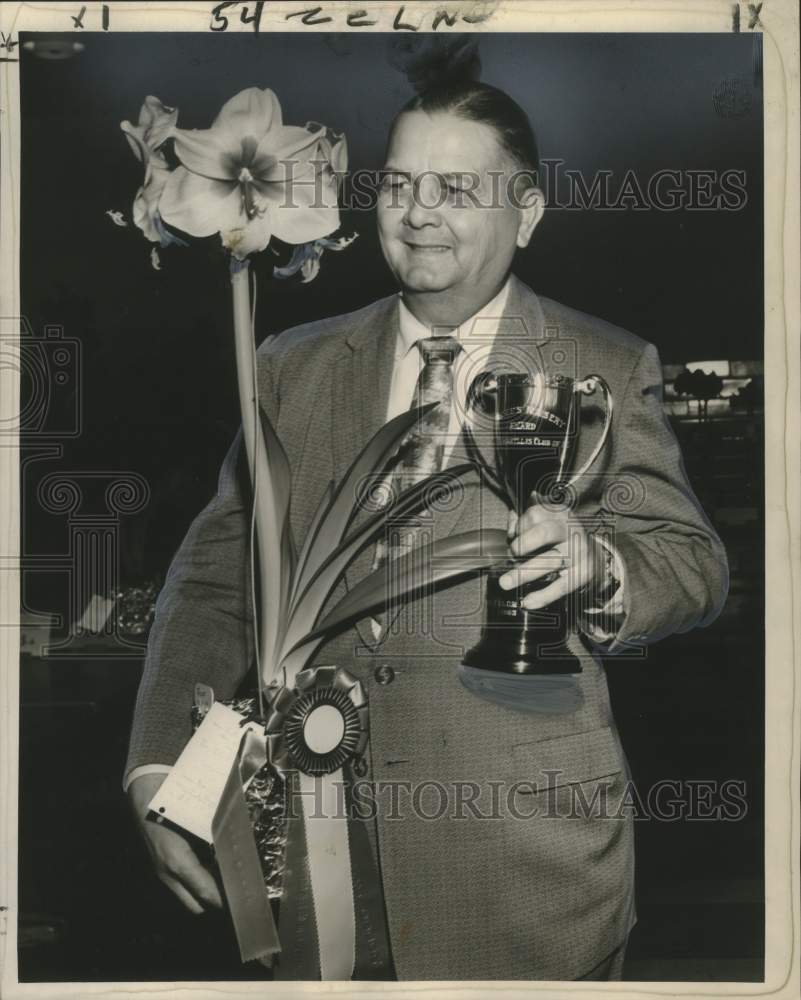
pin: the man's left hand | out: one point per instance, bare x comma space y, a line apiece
557, 545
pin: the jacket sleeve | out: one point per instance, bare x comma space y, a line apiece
675, 566
202, 631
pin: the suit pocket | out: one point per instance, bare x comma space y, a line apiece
567, 760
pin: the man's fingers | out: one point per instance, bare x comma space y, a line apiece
570, 559
536, 515
177, 860
178, 890
547, 595
538, 536
535, 569
200, 883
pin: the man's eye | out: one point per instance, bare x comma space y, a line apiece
394, 183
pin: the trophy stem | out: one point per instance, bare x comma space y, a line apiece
515, 640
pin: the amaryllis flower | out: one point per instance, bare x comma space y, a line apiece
250, 177
156, 126
306, 258
332, 148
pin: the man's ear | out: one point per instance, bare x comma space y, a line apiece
531, 205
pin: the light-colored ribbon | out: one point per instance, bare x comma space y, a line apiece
238, 860
326, 831
323, 808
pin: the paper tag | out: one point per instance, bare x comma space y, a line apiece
191, 792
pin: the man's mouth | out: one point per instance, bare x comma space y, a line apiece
427, 247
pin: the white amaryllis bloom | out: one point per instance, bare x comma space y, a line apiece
156, 125
250, 177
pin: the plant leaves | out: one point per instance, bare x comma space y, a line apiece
425, 566
272, 486
287, 572
280, 472
322, 507
310, 602
329, 531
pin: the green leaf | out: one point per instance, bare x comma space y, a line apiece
310, 602
329, 531
322, 507
280, 473
287, 572
425, 566
273, 476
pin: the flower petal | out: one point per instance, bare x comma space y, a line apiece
298, 183
157, 120
146, 202
250, 112
210, 152
290, 142
199, 205
156, 125
250, 238
340, 243
300, 255
294, 224
311, 268
135, 140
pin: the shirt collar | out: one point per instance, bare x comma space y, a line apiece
411, 329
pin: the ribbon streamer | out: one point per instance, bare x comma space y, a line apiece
240, 868
326, 828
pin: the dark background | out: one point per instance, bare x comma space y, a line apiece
155, 388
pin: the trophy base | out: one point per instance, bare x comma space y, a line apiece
521, 656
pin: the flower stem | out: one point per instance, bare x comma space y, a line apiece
258, 467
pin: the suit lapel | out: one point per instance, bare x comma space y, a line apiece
360, 397
361, 384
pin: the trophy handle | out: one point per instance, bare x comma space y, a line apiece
587, 387
483, 387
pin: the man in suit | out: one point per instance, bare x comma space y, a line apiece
523, 885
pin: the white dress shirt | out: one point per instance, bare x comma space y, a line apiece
476, 337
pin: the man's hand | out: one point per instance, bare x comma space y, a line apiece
562, 548
175, 862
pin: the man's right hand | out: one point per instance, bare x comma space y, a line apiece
175, 861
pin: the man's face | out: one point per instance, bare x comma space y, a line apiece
446, 225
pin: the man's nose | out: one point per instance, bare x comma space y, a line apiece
424, 203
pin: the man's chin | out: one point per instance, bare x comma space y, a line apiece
425, 279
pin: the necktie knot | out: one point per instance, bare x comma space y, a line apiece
442, 350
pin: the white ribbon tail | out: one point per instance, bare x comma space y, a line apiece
326, 828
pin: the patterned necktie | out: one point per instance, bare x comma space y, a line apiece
422, 450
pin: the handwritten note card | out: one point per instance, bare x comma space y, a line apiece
192, 790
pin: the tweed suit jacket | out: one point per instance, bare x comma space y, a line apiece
525, 885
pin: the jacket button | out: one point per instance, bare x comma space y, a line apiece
384, 674
360, 767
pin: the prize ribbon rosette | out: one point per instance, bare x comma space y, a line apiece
248, 179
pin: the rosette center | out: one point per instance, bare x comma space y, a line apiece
324, 729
